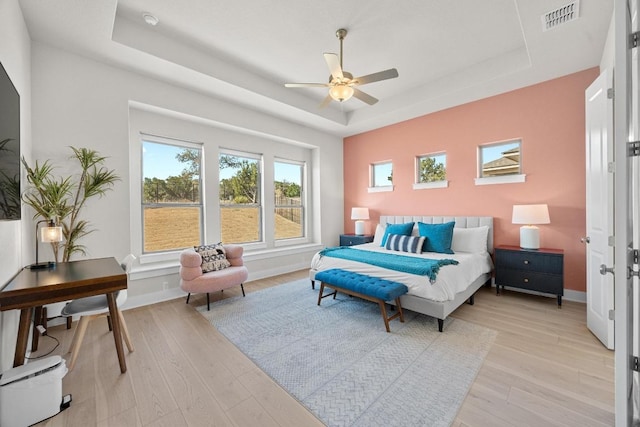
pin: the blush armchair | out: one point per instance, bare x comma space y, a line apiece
193, 280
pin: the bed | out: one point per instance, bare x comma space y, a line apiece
453, 285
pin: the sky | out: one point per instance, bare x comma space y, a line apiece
160, 162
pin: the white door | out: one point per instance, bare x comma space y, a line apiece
599, 153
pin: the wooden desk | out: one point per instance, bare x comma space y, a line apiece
67, 281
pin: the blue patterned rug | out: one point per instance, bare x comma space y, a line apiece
338, 360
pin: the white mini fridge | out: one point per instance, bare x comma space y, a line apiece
33, 392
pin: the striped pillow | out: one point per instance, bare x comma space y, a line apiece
398, 242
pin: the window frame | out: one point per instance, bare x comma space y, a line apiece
499, 179
424, 185
302, 205
151, 256
372, 176
259, 157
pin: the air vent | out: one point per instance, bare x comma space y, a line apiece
561, 15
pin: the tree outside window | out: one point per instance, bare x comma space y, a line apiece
240, 204
431, 168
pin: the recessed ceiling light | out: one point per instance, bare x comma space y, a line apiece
150, 19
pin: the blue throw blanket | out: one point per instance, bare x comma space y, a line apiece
406, 264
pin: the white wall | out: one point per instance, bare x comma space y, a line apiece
80, 102
608, 56
15, 57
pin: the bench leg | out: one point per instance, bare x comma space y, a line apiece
383, 310
400, 309
320, 296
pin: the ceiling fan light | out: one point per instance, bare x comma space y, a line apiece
341, 92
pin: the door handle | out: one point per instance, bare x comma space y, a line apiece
604, 269
585, 240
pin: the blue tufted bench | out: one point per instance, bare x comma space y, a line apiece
365, 287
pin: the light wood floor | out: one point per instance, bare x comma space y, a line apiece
544, 369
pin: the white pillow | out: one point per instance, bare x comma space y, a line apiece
379, 234
472, 240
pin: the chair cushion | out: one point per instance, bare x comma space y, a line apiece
216, 280
214, 257
90, 305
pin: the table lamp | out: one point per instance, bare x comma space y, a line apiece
530, 215
359, 214
49, 234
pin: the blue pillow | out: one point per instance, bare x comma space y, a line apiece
438, 237
402, 229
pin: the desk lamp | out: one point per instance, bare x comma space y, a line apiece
530, 215
49, 234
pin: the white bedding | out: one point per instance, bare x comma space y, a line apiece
450, 280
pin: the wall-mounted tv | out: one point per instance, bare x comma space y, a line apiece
9, 148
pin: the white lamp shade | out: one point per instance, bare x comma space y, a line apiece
359, 213
530, 214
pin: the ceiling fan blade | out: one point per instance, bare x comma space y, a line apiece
391, 73
306, 84
364, 97
334, 65
325, 101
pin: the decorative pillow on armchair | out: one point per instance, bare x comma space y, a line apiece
213, 257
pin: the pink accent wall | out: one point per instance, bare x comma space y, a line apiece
548, 117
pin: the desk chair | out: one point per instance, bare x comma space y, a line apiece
90, 308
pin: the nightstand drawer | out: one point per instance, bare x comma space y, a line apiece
355, 239
530, 261
534, 281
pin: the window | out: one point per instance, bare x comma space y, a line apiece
431, 168
381, 177
171, 195
431, 171
289, 212
499, 159
240, 199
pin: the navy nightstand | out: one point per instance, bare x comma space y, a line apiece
354, 239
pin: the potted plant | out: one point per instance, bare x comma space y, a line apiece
62, 198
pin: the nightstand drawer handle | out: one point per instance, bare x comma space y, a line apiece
526, 280
526, 261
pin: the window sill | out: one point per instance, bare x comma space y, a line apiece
506, 179
170, 266
429, 185
380, 189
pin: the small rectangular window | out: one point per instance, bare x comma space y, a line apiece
382, 174
240, 199
500, 159
288, 200
431, 168
171, 195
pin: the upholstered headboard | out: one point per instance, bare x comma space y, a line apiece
461, 221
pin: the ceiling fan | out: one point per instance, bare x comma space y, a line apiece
342, 85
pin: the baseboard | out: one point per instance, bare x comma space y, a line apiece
569, 294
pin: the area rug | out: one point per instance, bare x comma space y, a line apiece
338, 360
